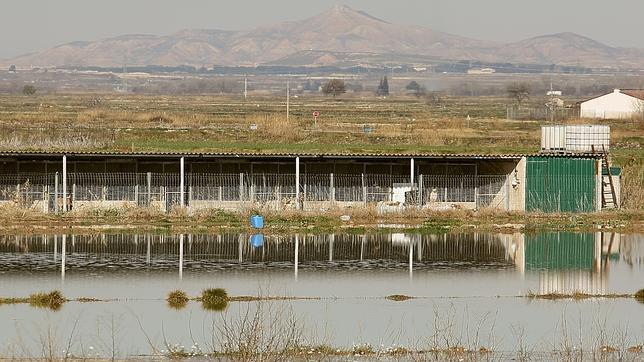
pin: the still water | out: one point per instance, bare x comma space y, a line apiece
468, 287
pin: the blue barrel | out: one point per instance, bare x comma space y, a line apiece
257, 221
257, 240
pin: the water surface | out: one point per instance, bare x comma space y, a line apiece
467, 281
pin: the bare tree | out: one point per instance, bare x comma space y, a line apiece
518, 92
334, 87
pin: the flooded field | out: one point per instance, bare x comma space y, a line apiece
469, 291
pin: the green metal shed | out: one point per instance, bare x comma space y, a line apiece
560, 184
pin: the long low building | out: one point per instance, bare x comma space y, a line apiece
62, 181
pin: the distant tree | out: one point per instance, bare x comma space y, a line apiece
518, 92
12, 68
383, 88
433, 98
334, 87
416, 89
355, 87
29, 90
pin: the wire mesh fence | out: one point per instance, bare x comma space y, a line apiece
163, 190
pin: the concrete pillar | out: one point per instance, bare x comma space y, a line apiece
411, 259
148, 256
63, 258
181, 257
297, 254
332, 188
297, 183
64, 183
55, 248
412, 171
182, 183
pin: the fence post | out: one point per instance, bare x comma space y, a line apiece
332, 188
364, 191
241, 188
136, 194
45, 199
476, 191
56, 193
149, 181
182, 181
73, 192
420, 190
64, 183
297, 183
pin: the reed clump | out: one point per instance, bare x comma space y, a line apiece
639, 296
53, 300
215, 299
177, 299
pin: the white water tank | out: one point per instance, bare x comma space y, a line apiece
553, 138
585, 138
582, 138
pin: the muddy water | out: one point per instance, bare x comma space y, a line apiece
468, 287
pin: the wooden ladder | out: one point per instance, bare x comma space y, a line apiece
613, 195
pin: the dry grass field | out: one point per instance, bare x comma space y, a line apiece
220, 123
118, 122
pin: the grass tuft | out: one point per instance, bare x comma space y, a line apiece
398, 297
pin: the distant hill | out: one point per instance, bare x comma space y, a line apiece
318, 41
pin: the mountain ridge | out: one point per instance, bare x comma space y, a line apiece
339, 29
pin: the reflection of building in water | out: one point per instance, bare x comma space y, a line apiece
373, 251
340, 247
631, 249
566, 262
577, 262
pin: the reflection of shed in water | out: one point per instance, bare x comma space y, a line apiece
426, 249
571, 262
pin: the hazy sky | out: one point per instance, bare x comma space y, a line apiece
29, 25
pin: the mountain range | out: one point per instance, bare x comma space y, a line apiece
320, 39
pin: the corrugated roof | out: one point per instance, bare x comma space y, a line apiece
637, 93
283, 154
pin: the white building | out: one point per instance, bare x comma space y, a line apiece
621, 104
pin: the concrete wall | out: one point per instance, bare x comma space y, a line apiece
516, 184
615, 105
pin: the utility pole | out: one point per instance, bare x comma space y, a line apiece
288, 99
245, 88
125, 73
